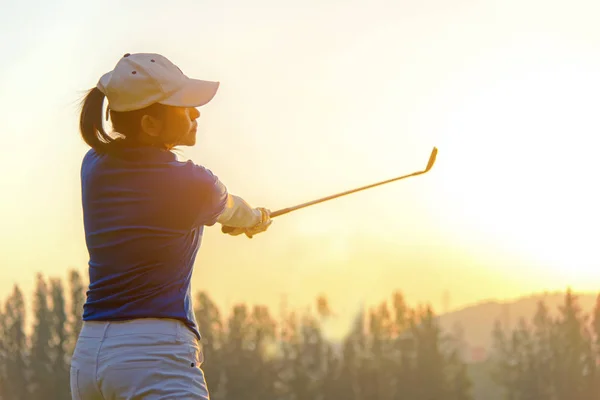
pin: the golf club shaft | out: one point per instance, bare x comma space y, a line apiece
283, 211
335, 196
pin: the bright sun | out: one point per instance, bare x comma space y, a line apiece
517, 162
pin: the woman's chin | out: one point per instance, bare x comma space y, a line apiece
188, 140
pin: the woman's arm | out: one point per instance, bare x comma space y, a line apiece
239, 214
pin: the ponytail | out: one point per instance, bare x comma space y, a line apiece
90, 121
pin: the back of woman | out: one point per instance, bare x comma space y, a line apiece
144, 217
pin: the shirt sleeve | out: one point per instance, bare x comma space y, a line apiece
209, 196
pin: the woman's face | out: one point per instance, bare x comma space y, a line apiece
180, 125
176, 127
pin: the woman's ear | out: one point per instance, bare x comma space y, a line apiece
151, 126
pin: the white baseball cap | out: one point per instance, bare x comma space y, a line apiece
141, 79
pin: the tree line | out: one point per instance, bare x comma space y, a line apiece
553, 356
392, 352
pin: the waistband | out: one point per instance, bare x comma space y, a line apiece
140, 326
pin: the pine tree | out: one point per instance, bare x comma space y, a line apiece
3, 356
378, 376
429, 373
331, 360
60, 366
595, 349
529, 383
290, 371
503, 361
77, 299
589, 372
305, 359
404, 349
15, 341
211, 329
349, 370
516, 363
543, 331
458, 386
41, 343
367, 380
331, 379
569, 349
249, 355
239, 370
262, 355
352, 360
519, 362
590, 368
458, 383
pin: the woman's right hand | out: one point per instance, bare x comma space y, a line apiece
261, 226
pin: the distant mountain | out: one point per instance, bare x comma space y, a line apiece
476, 322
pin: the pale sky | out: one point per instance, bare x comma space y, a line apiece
318, 97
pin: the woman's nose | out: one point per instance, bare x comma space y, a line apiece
194, 113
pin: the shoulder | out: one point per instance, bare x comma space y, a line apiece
90, 155
198, 172
199, 192
90, 158
199, 176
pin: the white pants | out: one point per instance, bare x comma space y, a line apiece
140, 359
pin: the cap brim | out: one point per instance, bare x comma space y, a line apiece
195, 93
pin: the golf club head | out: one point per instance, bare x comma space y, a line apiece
431, 159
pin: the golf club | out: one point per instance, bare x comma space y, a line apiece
432, 157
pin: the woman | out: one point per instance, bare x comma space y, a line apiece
144, 214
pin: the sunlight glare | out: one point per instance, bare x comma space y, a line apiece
519, 164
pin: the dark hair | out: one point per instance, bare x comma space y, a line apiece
90, 121
126, 124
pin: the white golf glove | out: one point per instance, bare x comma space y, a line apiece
261, 226
239, 217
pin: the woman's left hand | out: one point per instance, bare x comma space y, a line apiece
262, 226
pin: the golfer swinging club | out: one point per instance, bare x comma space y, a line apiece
144, 213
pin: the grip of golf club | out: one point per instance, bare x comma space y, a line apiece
227, 229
